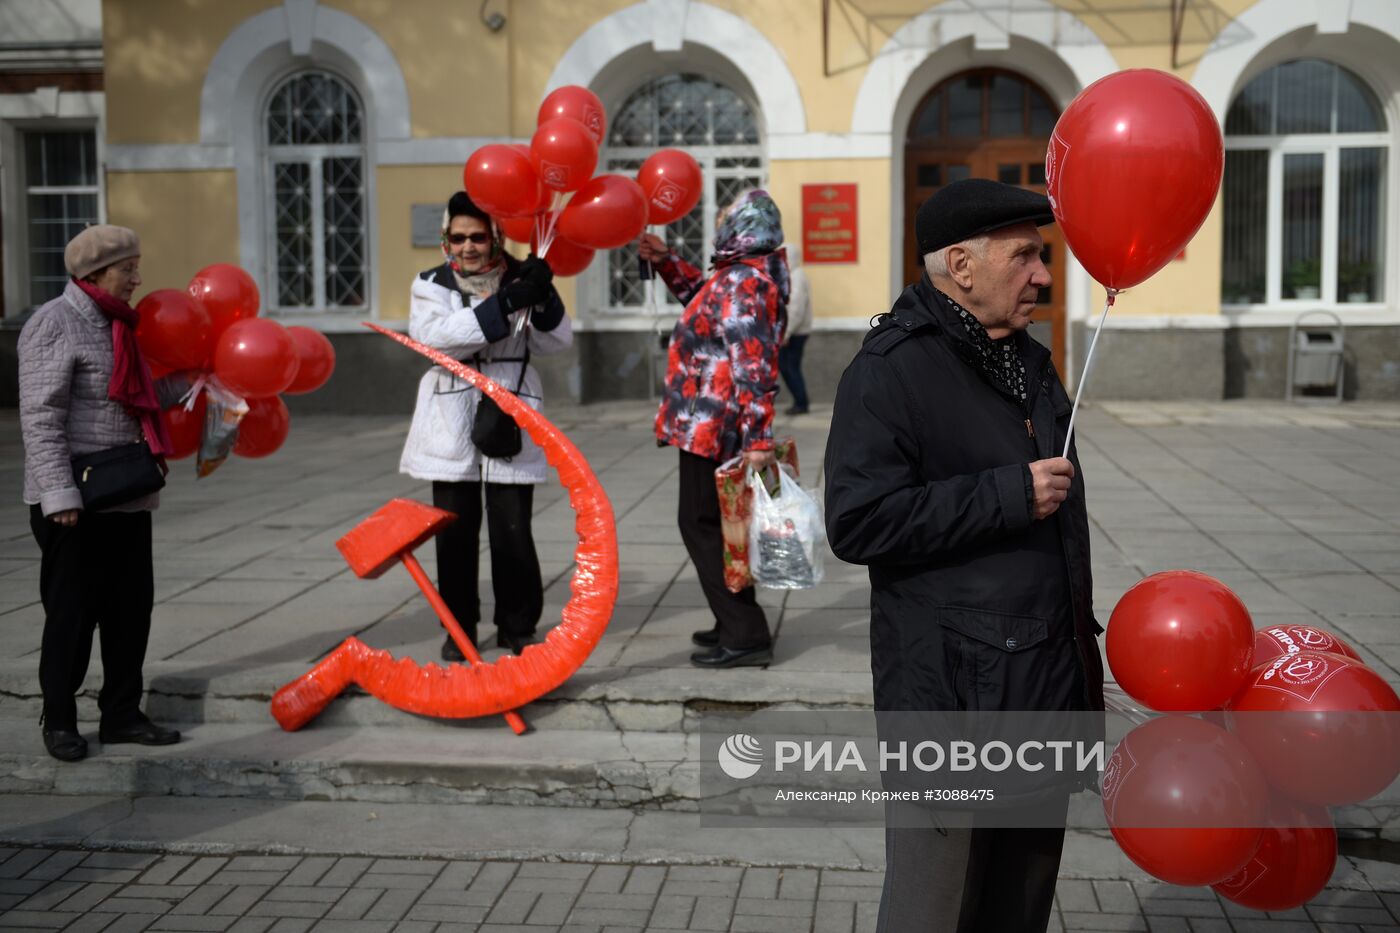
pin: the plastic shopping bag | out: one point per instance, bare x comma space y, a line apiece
735, 504
223, 412
786, 535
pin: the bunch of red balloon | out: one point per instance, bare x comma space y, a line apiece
213, 327
1238, 799
524, 187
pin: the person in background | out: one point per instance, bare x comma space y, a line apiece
84, 387
721, 379
471, 307
799, 325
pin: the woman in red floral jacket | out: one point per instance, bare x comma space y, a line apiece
721, 379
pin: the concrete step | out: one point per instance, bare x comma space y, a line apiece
425, 765
647, 699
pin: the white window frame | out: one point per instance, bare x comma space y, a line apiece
314, 156
96, 189
1329, 146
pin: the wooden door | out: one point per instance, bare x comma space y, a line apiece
988, 123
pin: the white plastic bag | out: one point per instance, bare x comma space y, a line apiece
786, 536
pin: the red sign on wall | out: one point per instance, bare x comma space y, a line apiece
829, 223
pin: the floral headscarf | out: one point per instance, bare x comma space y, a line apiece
751, 226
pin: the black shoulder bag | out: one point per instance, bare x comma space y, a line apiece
494, 432
116, 475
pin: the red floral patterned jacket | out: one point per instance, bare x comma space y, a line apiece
722, 368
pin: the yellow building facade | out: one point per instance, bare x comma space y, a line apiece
213, 145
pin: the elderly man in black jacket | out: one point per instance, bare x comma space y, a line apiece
944, 477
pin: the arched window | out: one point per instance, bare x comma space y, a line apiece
713, 124
314, 160
1305, 189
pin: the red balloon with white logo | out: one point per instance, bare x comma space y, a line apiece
1132, 170
1296, 857
575, 103
502, 181
1274, 641
1322, 727
564, 154
672, 183
1184, 800
1180, 641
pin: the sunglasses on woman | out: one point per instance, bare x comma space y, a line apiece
480, 239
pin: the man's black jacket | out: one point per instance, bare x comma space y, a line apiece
974, 605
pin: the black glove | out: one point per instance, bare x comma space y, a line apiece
522, 294
536, 270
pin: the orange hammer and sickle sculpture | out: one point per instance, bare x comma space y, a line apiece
457, 691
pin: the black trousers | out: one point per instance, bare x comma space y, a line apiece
970, 880
515, 567
738, 616
95, 574
790, 366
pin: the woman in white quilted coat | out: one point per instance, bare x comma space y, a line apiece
471, 307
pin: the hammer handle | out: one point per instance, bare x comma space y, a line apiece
454, 628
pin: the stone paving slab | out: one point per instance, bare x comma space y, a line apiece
78, 889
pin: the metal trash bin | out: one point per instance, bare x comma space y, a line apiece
1315, 345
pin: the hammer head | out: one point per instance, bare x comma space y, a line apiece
398, 527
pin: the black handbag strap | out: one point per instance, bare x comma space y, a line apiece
523, 360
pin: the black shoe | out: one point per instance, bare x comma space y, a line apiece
516, 644
709, 638
65, 744
450, 651
140, 732
720, 657
797, 410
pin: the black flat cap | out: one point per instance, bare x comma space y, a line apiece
975, 206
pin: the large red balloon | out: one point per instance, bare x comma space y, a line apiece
502, 181
264, 428
1295, 859
256, 358
1180, 641
565, 258
1132, 170
564, 154
186, 428
1184, 800
315, 360
174, 329
1277, 640
608, 212
519, 229
672, 183
227, 292
576, 103
1322, 727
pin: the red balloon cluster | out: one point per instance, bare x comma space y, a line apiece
1132, 170
523, 187
1238, 800
213, 327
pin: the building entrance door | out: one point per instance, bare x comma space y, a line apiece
987, 123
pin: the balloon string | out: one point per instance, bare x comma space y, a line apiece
551, 222
1084, 375
192, 395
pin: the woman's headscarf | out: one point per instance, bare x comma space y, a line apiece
752, 228
483, 283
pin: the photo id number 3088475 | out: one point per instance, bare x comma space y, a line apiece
960, 794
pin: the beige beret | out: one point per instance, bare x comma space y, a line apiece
97, 247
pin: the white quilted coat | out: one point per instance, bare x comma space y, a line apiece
439, 445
